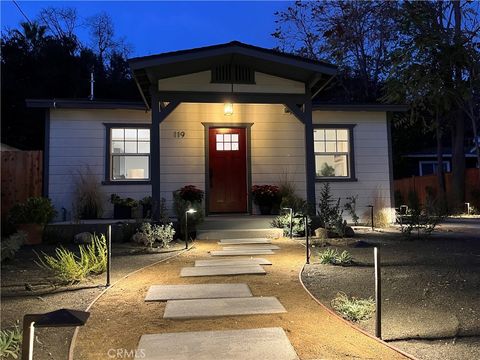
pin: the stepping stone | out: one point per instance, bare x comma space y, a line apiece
240, 252
222, 270
197, 291
201, 308
252, 247
232, 262
245, 241
250, 344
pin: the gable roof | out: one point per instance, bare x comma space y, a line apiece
149, 69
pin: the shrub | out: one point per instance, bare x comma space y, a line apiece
36, 210
70, 268
351, 207
127, 202
331, 256
283, 222
265, 194
329, 212
12, 244
88, 197
10, 342
151, 233
181, 205
352, 308
421, 221
191, 193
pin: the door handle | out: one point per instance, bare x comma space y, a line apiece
211, 177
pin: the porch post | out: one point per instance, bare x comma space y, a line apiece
155, 156
309, 152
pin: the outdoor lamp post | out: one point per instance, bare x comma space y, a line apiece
371, 214
307, 240
189, 211
57, 318
291, 221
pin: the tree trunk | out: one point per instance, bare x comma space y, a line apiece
440, 173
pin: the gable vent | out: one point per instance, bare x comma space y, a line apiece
233, 74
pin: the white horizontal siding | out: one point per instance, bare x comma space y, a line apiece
77, 140
370, 139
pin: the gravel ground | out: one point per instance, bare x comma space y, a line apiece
17, 301
430, 288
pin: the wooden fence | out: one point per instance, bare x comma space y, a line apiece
21, 177
419, 184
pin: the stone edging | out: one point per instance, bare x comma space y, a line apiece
334, 314
74, 337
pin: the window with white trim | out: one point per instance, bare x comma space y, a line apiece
129, 153
332, 152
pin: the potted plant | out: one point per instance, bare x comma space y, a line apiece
146, 203
32, 216
265, 196
185, 198
122, 208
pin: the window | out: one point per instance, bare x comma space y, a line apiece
129, 153
227, 142
332, 147
431, 167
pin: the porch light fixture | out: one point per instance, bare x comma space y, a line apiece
189, 211
228, 109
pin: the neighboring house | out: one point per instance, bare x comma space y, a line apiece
425, 162
222, 118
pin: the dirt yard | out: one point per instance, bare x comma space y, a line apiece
41, 296
121, 315
431, 289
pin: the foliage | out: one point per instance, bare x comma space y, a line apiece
12, 244
37, 210
146, 201
298, 224
265, 194
10, 342
333, 257
191, 193
352, 308
327, 170
128, 202
288, 197
88, 195
475, 199
71, 268
420, 220
152, 232
180, 206
330, 213
351, 207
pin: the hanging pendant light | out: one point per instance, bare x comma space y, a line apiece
228, 109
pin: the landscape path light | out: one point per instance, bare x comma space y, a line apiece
189, 211
57, 318
371, 214
291, 220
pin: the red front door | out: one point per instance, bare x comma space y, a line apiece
227, 170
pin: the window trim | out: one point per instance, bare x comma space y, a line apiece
434, 162
351, 154
107, 178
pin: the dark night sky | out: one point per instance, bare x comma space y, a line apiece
154, 27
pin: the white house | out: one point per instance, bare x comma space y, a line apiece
222, 118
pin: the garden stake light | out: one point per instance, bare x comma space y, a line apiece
189, 211
291, 221
109, 253
378, 294
57, 318
307, 239
371, 214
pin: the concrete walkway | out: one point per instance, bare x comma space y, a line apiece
120, 318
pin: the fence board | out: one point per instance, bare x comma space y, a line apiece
21, 177
419, 184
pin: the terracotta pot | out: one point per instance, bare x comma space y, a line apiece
34, 233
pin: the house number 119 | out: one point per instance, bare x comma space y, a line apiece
179, 134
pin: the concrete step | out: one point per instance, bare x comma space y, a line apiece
238, 233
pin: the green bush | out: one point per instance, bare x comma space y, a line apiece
352, 308
36, 210
351, 207
182, 204
333, 257
69, 268
151, 233
11, 245
10, 342
128, 202
283, 222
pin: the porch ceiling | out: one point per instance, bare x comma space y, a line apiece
149, 69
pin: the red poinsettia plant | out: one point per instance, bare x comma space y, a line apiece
191, 193
265, 195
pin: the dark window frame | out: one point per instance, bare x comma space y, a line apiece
108, 155
351, 153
